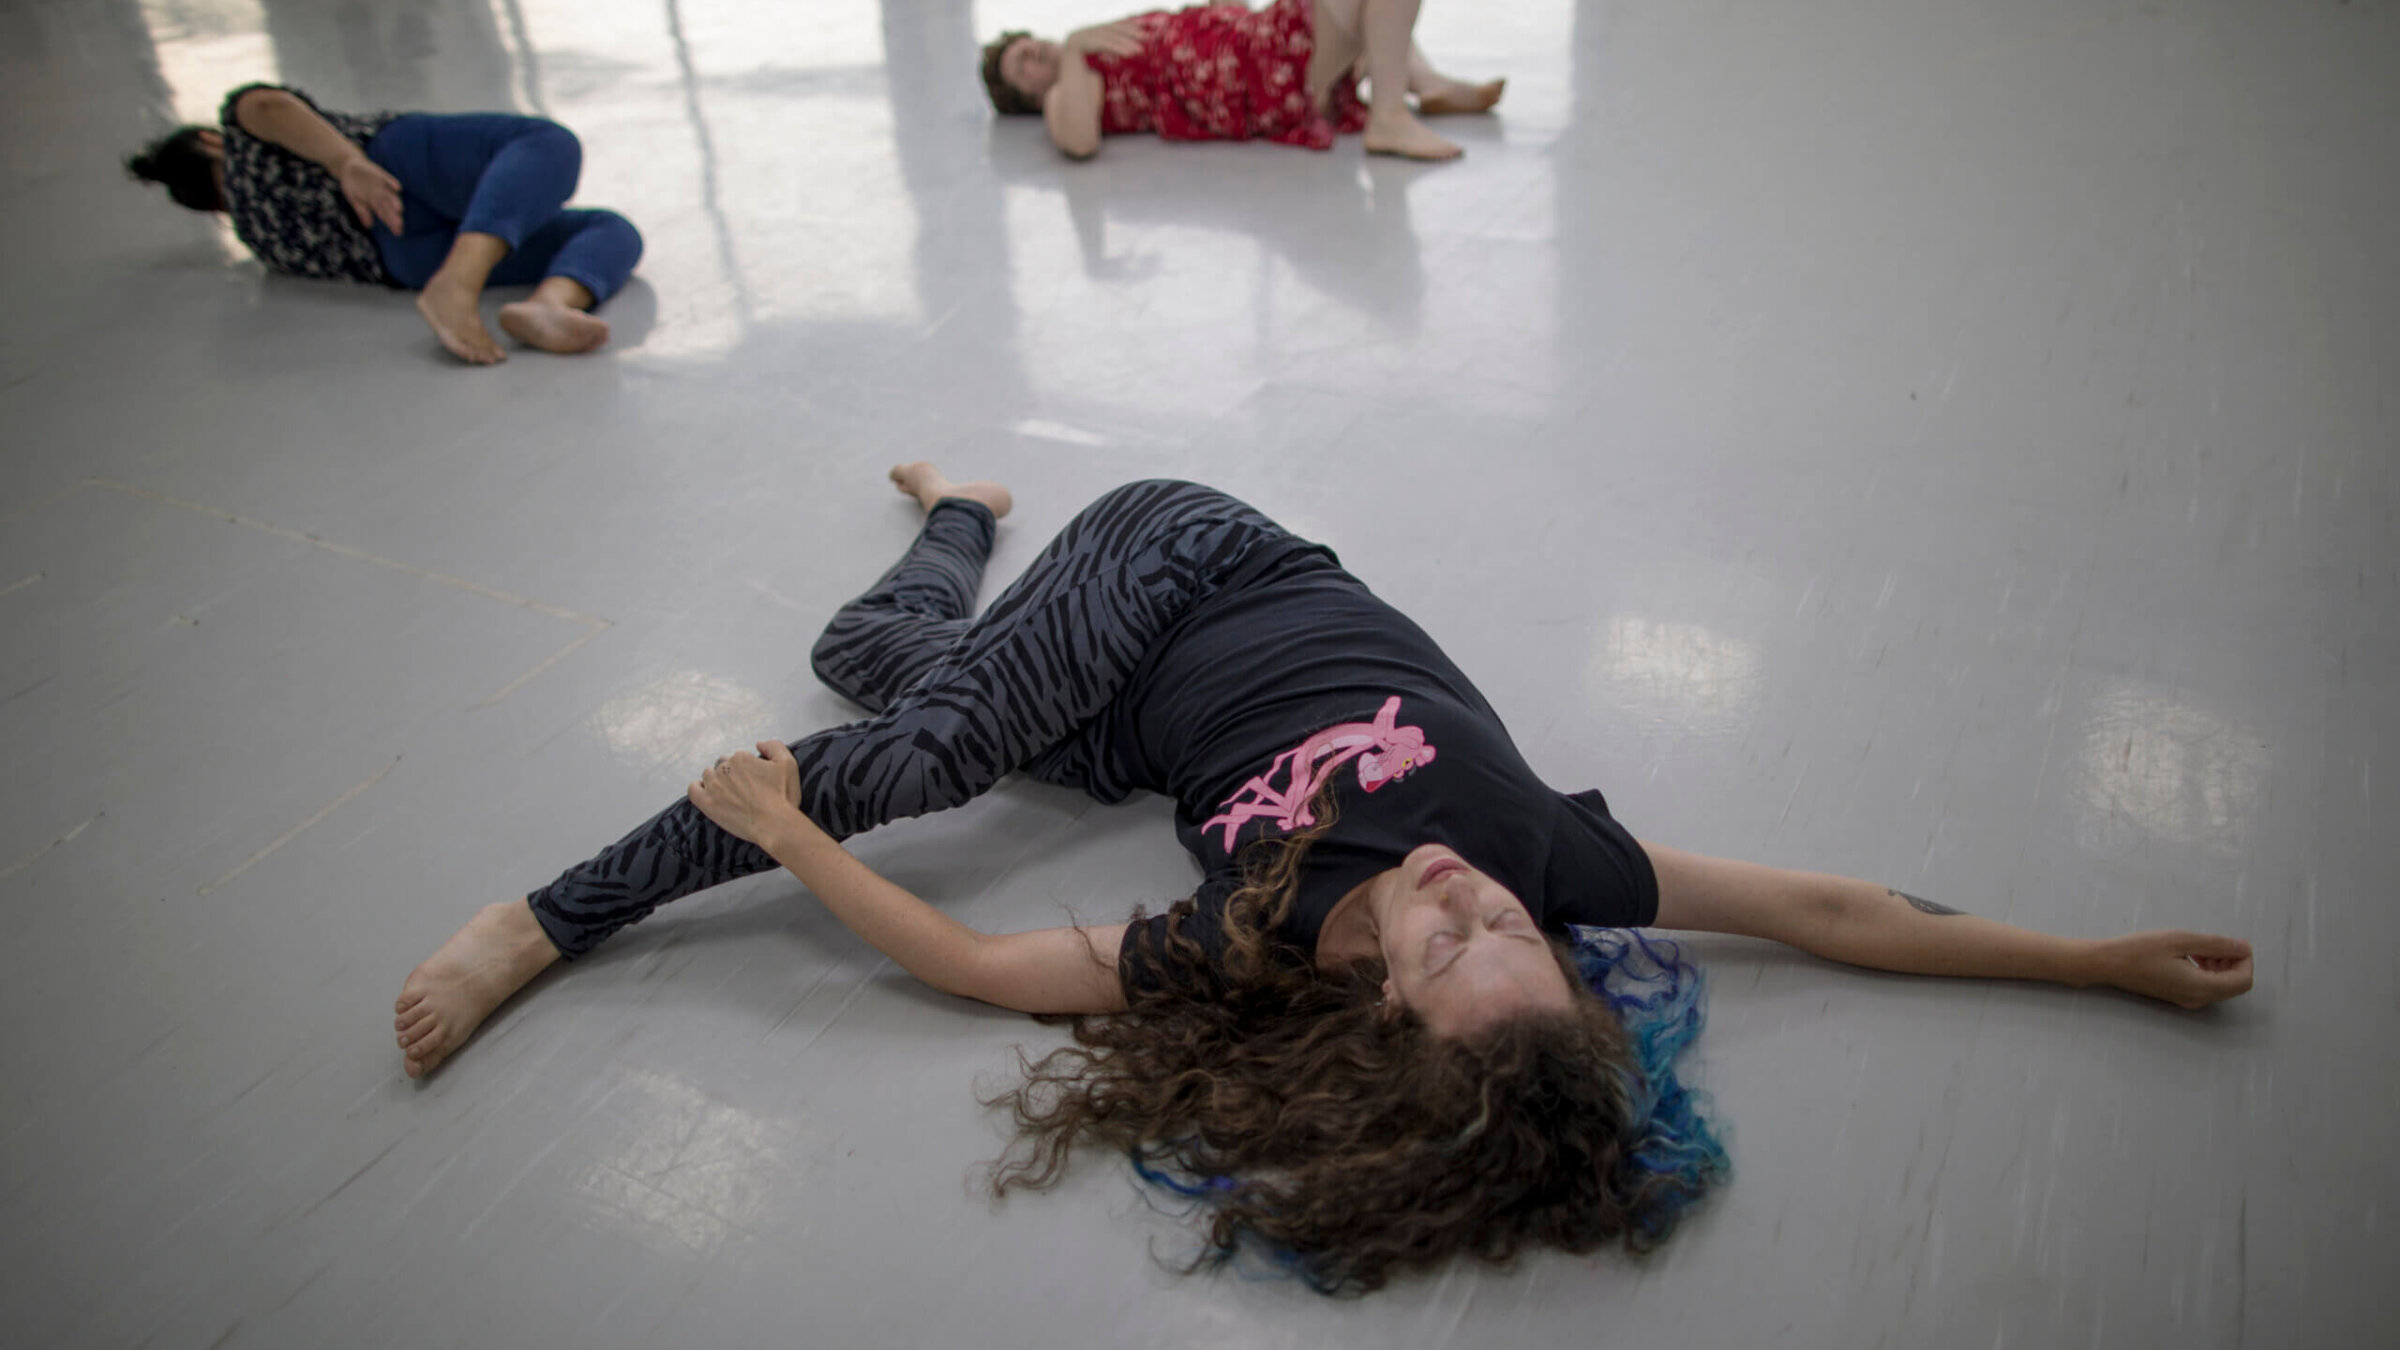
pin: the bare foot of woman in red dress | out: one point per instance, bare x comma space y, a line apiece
1400, 133
496, 954
1442, 96
925, 483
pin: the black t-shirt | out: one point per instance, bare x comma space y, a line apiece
1294, 674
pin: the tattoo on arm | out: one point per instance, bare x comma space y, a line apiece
1922, 906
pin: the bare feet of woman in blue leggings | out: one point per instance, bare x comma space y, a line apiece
555, 318
552, 319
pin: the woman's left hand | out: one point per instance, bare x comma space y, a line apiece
748, 795
2189, 970
1122, 39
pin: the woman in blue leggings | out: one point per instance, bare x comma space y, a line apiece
442, 204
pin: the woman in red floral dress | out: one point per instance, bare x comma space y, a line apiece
1222, 72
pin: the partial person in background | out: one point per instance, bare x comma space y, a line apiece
441, 204
1222, 72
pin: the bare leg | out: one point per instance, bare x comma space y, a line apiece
925, 483
451, 301
555, 318
1384, 28
496, 954
1334, 26
1437, 94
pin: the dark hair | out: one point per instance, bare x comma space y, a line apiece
1348, 1141
1009, 100
177, 160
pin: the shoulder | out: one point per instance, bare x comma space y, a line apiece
252, 95
1599, 875
1174, 949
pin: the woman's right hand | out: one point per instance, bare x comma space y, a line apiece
2189, 970
1120, 39
372, 193
750, 796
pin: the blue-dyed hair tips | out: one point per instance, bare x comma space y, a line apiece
1660, 995
1671, 1155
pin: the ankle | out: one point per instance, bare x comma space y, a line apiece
565, 293
527, 939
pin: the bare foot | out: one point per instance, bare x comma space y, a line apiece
1402, 134
925, 483
455, 317
446, 998
1449, 96
552, 327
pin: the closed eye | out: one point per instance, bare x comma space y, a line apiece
1441, 950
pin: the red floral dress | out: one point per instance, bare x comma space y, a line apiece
1224, 72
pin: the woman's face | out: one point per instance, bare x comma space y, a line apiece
1461, 951
1030, 64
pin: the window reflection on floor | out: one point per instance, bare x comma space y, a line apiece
2157, 762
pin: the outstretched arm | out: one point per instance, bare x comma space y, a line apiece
1049, 970
1864, 924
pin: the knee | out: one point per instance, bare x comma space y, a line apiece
825, 659
559, 144
1142, 491
622, 229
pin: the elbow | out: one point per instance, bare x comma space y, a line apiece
1820, 915
1072, 120
965, 973
1076, 147
260, 103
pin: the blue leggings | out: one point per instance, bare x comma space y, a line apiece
497, 174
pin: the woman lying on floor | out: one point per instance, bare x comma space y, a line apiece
1223, 72
1384, 1029
442, 204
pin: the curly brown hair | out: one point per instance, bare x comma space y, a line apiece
1344, 1138
1007, 99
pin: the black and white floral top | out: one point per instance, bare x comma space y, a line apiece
290, 212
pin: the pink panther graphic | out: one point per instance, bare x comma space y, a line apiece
1386, 753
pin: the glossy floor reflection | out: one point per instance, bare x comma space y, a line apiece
1950, 444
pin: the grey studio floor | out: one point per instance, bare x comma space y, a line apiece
1950, 443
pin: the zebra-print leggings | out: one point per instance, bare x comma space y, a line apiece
957, 702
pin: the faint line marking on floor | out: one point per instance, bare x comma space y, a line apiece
593, 624
596, 628
297, 830
44, 504
36, 856
16, 586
